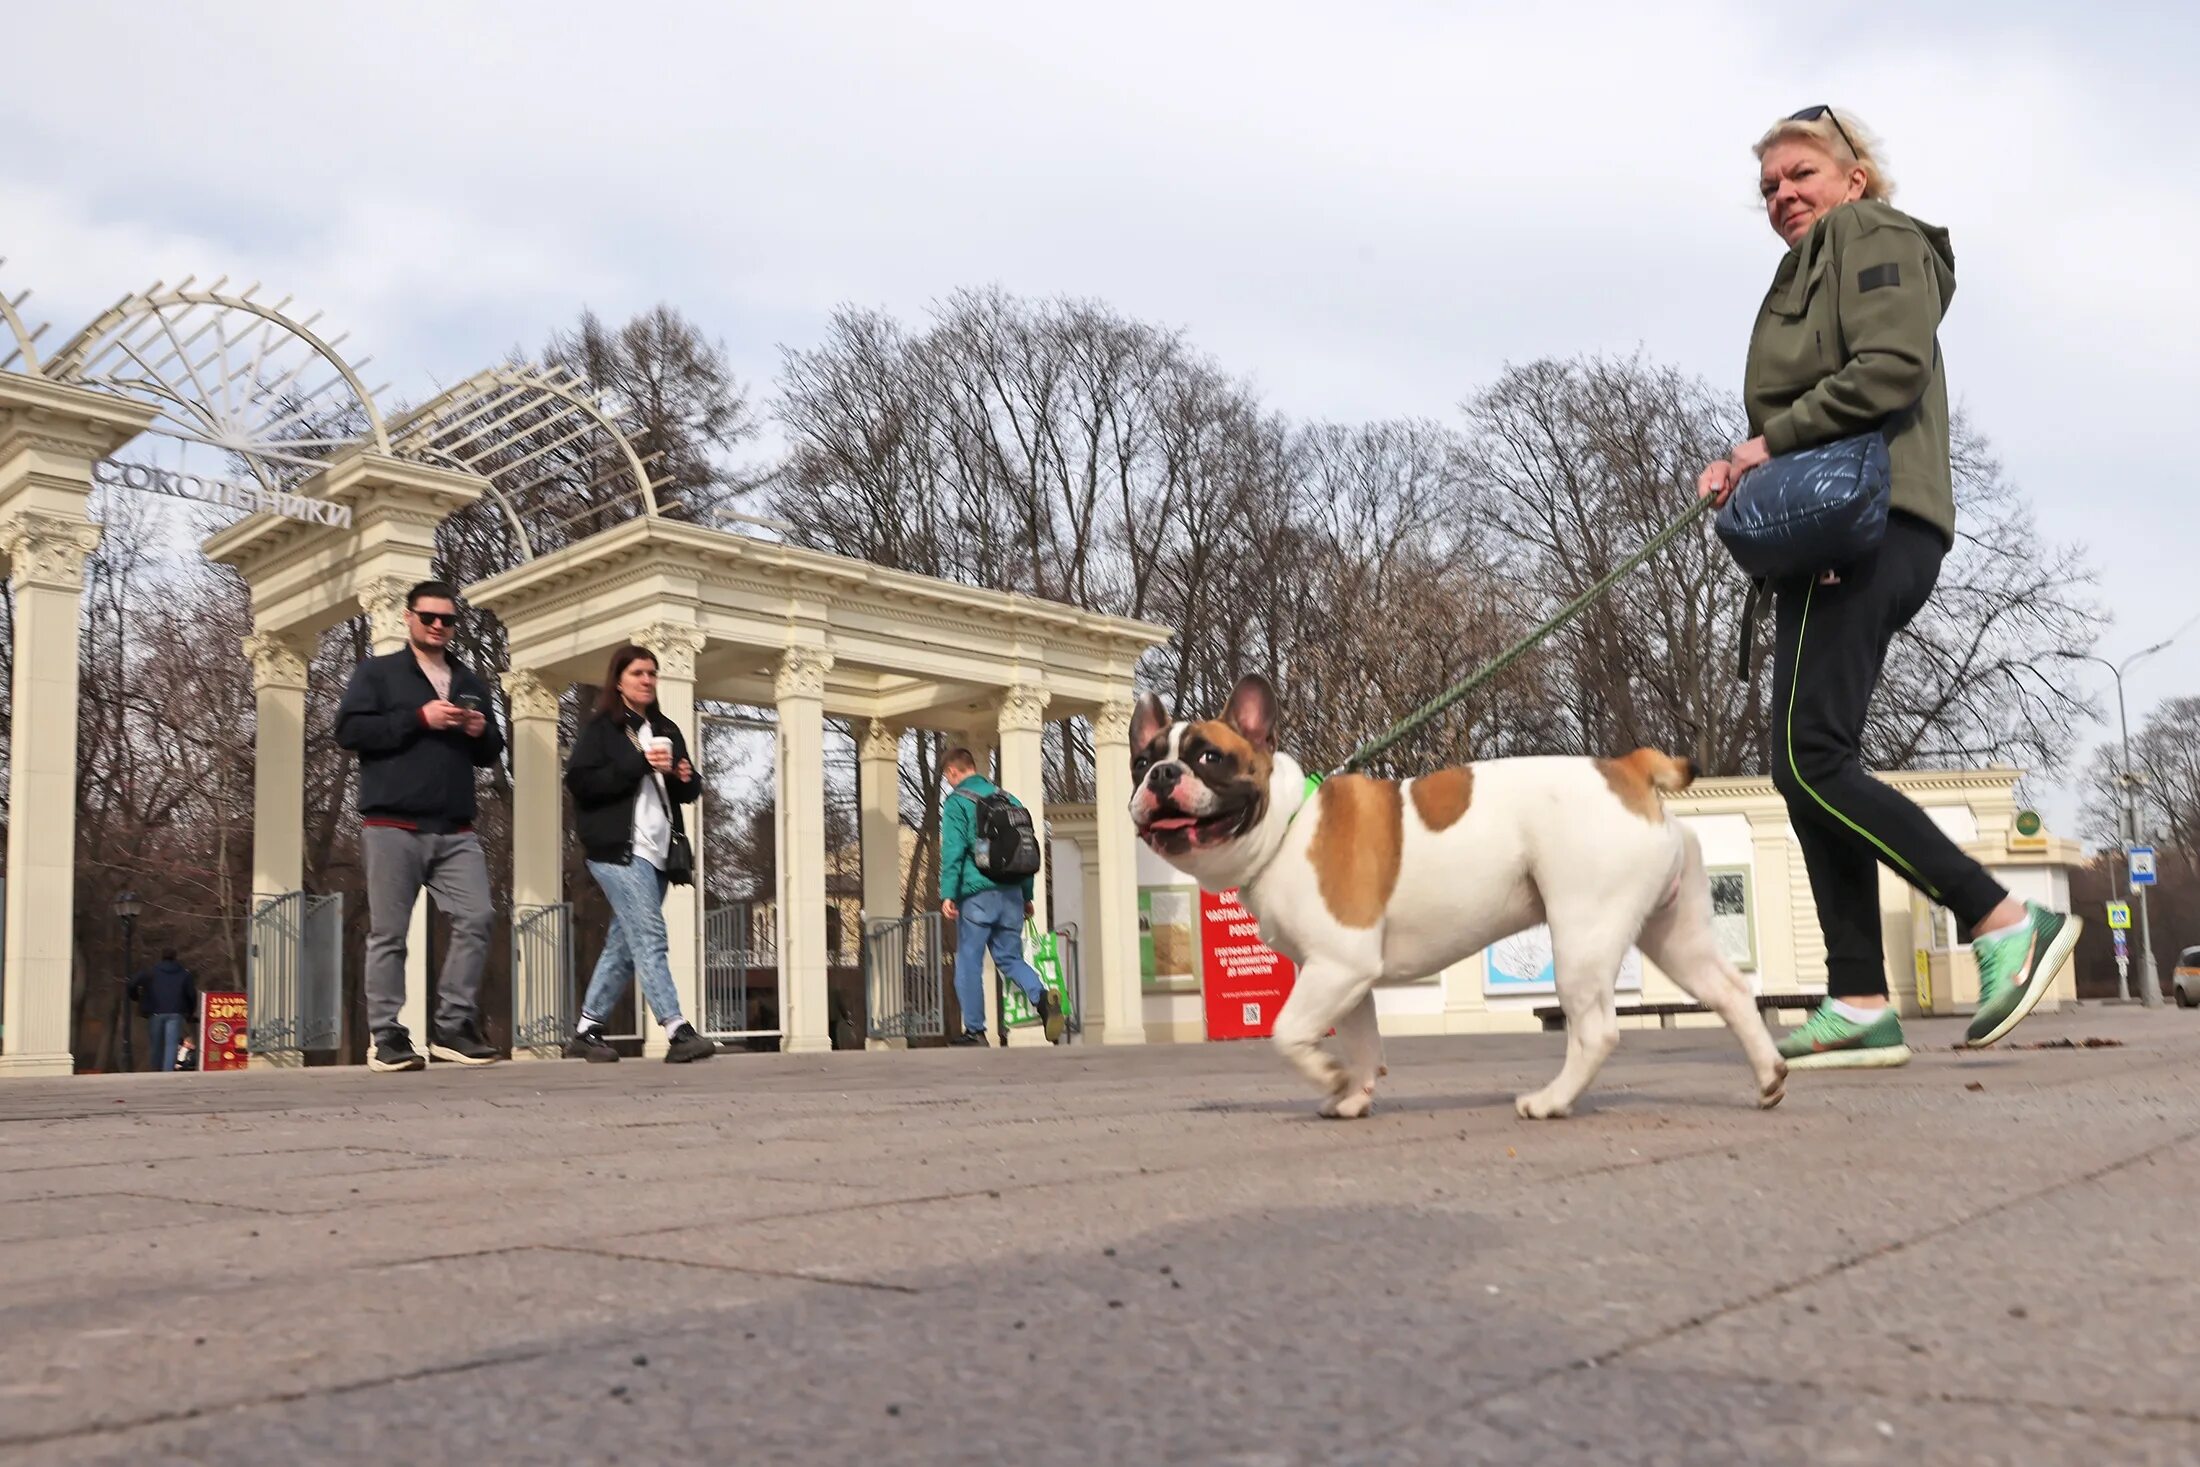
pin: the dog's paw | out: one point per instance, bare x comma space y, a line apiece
1539, 1106
1773, 1091
1350, 1106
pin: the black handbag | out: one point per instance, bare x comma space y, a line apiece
1811, 511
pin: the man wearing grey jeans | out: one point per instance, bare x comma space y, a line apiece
421, 723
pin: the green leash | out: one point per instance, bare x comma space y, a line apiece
1418, 719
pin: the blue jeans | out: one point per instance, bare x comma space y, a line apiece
635, 944
164, 1032
990, 921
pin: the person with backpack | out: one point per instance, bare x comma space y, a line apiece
989, 853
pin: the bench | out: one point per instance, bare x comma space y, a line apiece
1554, 1017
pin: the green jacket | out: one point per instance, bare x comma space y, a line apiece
1847, 342
959, 873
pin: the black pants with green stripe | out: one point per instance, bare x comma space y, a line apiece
1832, 643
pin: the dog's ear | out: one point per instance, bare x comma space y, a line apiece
1252, 711
1148, 717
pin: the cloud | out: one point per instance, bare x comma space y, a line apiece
1367, 209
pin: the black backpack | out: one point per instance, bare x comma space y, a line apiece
1006, 847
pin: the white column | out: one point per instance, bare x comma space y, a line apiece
799, 691
1114, 916
676, 645
1772, 859
538, 849
1022, 732
879, 775
46, 554
878, 780
278, 760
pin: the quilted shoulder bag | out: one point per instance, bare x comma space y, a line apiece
1810, 511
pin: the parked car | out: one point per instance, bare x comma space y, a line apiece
2187, 978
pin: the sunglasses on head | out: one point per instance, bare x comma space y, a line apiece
1812, 114
438, 618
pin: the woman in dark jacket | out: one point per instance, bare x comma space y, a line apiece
1847, 342
629, 774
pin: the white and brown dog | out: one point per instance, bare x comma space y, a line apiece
1363, 880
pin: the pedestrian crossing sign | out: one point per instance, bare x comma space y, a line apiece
2119, 916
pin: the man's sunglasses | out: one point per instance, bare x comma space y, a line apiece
1812, 114
438, 618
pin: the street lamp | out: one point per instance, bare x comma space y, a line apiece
2150, 988
127, 908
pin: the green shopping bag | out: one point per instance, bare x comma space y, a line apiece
1043, 952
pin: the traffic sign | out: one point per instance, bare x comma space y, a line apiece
2123, 943
2119, 916
2141, 865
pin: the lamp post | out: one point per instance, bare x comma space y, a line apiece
2128, 780
127, 908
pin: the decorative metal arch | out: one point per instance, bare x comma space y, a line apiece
19, 348
229, 372
542, 442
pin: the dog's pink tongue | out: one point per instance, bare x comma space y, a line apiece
1171, 822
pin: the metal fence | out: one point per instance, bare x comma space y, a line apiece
741, 970
545, 1001
1011, 1011
903, 975
294, 974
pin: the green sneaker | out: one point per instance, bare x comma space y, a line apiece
2015, 972
1829, 1041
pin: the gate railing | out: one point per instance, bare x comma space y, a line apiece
1012, 1011
904, 977
740, 965
545, 1003
294, 968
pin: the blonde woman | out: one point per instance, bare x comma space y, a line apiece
1847, 342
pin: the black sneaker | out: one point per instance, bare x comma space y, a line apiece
1051, 1015
394, 1052
590, 1045
969, 1037
464, 1047
688, 1046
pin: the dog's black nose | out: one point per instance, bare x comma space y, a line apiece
1163, 777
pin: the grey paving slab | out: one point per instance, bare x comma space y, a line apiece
1080, 1255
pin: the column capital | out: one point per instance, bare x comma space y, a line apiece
674, 644
48, 550
881, 741
802, 673
1024, 708
1112, 726
278, 660
529, 695
383, 600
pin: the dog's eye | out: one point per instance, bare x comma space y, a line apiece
1140, 761
1210, 756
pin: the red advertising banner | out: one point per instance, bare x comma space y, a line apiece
222, 1031
1243, 981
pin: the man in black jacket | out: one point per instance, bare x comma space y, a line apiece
421, 723
168, 998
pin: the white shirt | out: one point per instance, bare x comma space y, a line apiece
652, 819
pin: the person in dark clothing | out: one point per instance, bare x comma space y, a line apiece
421, 723
167, 996
1846, 342
630, 774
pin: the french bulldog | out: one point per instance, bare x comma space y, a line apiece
1360, 880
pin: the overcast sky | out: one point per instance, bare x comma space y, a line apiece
1367, 209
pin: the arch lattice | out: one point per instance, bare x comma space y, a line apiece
230, 372
19, 348
558, 464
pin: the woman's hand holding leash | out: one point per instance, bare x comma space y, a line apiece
1717, 481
